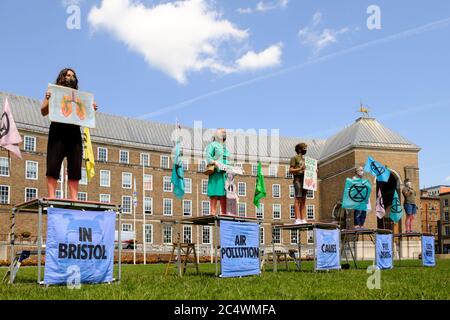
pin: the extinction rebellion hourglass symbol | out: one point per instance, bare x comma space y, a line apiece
4, 125
396, 206
358, 193
378, 170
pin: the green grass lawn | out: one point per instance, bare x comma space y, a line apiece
410, 281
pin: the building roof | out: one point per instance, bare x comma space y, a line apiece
125, 131
365, 133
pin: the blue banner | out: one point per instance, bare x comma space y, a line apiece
383, 250
328, 255
356, 194
80, 242
239, 248
377, 170
428, 258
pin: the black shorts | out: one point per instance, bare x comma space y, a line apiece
298, 187
64, 140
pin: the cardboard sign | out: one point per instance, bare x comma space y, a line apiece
71, 106
310, 176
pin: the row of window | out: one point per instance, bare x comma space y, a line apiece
32, 193
167, 234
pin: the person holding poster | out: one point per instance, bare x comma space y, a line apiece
359, 215
64, 140
410, 204
216, 154
297, 168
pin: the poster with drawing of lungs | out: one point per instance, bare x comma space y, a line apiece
71, 106
310, 177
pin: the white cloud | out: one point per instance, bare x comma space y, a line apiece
319, 39
447, 179
268, 58
263, 6
176, 38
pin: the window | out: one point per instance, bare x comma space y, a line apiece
242, 209
292, 211
29, 144
291, 192
310, 194
276, 235
126, 180
187, 207
187, 234
105, 176
254, 170
4, 167
31, 170
165, 162
4, 194
123, 156
204, 186
148, 231
310, 212
105, 198
127, 227
167, 184
276, 190
185, 164
148, 205
167, 234
447, 230
126, 204
242, 189
445, 202
58, 194
202, 166
310, 236
82, 196
167, 207
148, 182
446, 216
273, 171
294, 236
288, 174
260, 211
261, 235
145, 159
206, 235
277, 211
206, 210
187, 185
31, 193
83, 176
102, 154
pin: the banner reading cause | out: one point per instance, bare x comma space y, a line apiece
79, 240
239, 248
328, 255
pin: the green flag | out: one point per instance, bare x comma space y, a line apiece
260, 191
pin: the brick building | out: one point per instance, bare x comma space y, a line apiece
445, 222
129, 149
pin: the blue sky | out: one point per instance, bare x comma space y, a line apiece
298, 66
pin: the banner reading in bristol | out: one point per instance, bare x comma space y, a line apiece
71, 106
328, 249
383, 251
428, 257
80, 241
239, 248
310, 177
356, 194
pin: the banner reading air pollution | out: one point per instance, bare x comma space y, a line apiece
383, 251
428, 257
80, 242
239, 248
328, 255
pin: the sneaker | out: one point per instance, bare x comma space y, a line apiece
298, 221
304, 221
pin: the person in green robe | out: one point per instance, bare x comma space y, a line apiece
216, 152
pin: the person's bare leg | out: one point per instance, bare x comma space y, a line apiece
411, 223
73, 189
213, 205
51, 186
303, 208
297, 208
223, 205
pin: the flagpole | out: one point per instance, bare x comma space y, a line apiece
143, 214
